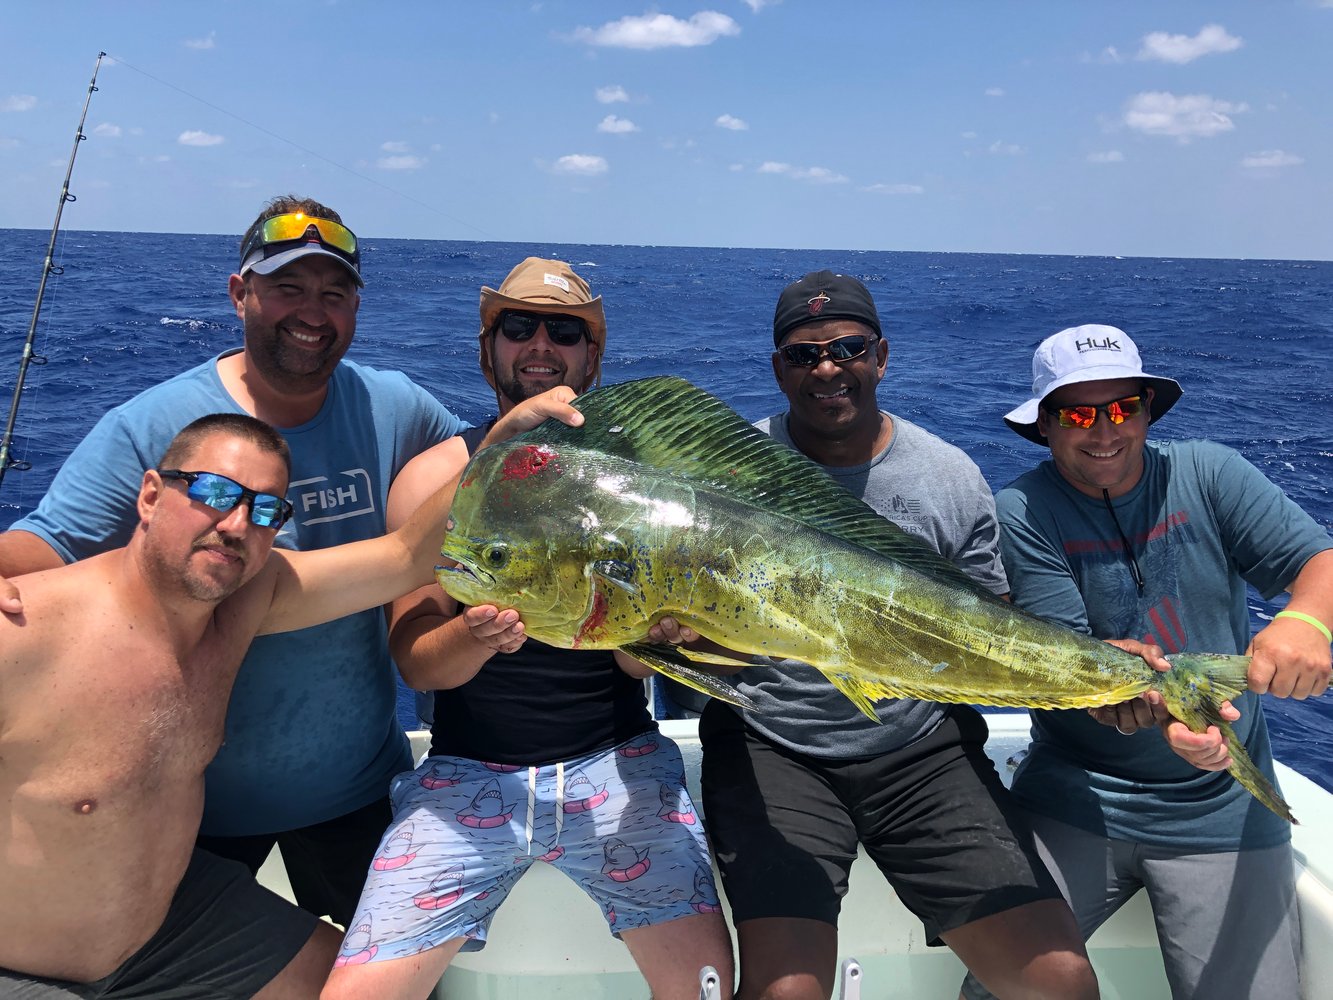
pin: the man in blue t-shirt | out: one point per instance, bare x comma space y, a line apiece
1150, 545
311, 734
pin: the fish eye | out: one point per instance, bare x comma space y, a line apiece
496, 556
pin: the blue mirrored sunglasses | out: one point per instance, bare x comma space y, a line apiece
221, 493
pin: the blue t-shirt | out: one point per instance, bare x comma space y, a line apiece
311, 732
1202, 522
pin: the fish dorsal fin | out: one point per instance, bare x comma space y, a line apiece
672, 425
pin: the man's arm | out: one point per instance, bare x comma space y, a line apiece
434, 646
22, 552
308, 588
1290, 659
1291, 656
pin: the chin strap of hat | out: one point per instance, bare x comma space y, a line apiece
1134, 570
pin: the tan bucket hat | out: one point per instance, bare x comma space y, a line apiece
544, 286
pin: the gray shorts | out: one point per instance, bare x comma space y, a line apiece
225, 936
1227, 922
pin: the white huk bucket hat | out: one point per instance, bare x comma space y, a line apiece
1088, 353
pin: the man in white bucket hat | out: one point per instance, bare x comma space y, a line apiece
1150, 545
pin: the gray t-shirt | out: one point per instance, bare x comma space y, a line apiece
928, 488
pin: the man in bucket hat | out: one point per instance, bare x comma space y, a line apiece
537, 753
1149, 545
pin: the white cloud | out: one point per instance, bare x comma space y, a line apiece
197, 137
611, 95
757, 5
8, 142
1181, 49
616, 126
1108, 56
1273, 157
894, 189
18, 102
107, 131
736, 168
660, 31
1110, 156
202, 43
731, 122
582, 164
394, 146
994, 92
1186, 117
815, 175
407, 162
1000, 148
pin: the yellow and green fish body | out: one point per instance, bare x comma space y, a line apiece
666, 503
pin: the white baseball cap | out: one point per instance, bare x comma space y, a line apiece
1088, 353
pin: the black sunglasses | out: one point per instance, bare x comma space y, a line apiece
563, 330
806, 355
221, 493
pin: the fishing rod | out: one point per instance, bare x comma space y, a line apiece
48, 269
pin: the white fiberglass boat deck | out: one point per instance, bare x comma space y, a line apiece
550, 941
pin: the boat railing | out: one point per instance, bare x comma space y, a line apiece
550, 940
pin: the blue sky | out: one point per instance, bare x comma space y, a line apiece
1131, 128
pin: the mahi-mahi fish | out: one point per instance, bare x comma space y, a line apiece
666, 502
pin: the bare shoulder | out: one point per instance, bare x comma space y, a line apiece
241, 615
422, 476
63, 608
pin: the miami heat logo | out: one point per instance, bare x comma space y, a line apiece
817, 303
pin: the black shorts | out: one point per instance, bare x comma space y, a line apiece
224, 936
326, 863
934, 816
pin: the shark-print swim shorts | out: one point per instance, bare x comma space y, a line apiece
620, 823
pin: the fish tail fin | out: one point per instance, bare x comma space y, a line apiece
1194, 689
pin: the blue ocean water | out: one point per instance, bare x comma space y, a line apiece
1249, 340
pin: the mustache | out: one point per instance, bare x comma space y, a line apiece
215, 540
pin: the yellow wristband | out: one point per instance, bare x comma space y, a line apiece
1309, 620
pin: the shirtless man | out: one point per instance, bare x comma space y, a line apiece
113, 688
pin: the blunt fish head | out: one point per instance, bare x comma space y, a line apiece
515, 541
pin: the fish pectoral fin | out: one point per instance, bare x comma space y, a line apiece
668, 660
718, 659
617, 573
